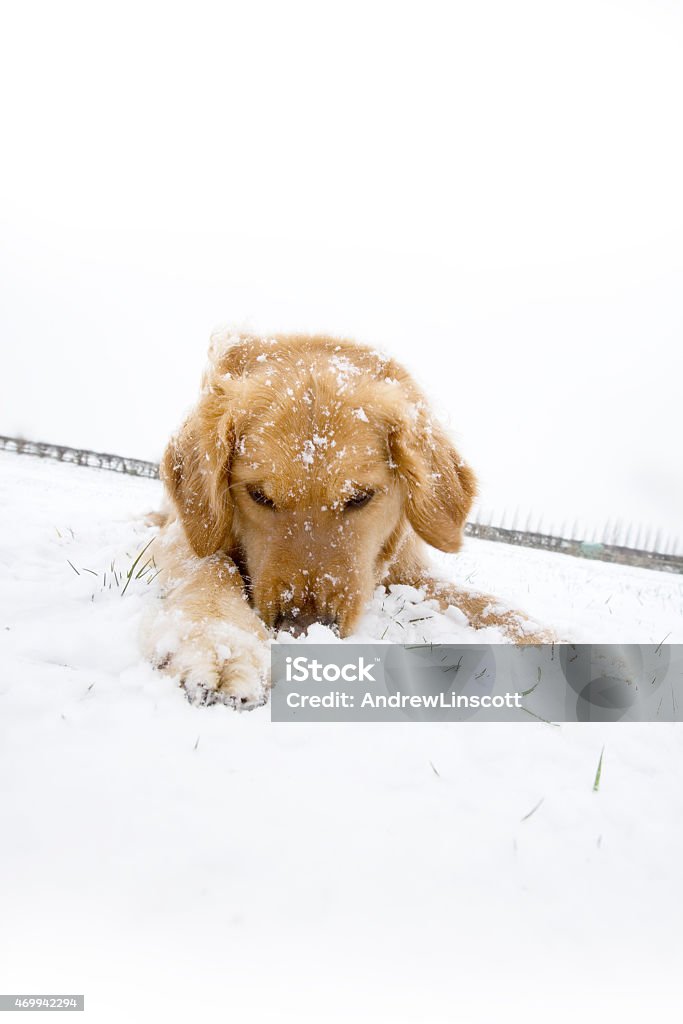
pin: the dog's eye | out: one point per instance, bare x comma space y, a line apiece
259, 497
359, 499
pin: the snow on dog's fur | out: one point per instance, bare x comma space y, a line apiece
310, 471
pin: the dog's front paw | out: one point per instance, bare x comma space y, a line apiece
216, 663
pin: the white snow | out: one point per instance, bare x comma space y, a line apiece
313, 447
178, 863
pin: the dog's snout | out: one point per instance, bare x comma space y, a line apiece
298, 625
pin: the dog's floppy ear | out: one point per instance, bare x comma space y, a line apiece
197, 463
196, 471
440, 486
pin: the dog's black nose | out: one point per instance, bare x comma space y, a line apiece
297, 625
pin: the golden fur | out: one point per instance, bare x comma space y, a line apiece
310, 471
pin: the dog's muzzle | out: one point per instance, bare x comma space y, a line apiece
298, 625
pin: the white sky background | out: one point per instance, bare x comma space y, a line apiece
490, 191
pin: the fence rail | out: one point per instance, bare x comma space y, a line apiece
80, 457
521, 538
578, 548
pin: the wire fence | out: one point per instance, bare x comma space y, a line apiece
80, 457
664, 562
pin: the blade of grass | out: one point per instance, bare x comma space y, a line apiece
596, 783
146, 566
133, 566
555, 725
533, 810
659, 647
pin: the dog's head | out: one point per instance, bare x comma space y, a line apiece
309, 459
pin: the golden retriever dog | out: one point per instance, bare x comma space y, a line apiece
309, 472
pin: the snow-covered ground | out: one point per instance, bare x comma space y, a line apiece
178, 863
